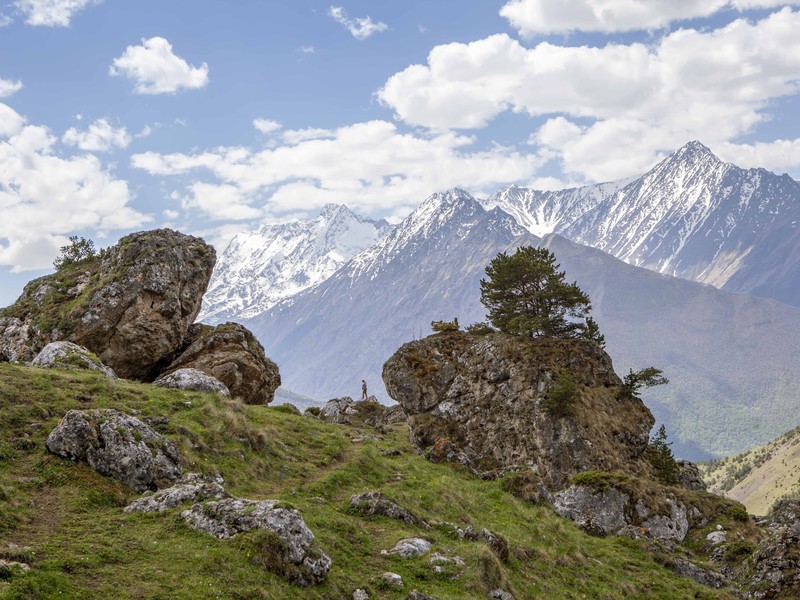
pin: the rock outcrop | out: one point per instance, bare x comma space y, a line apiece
192, 380
377, 504
192, 487
231, 354
481, 398
230, 517
71, 356
689, 476
344, 410
117, 445
131, 305
775, 569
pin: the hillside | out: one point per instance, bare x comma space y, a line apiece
67, 523
759, 477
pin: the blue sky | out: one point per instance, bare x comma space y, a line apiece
213, 117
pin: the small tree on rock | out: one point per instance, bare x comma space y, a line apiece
634, 381
661, 458
526, 294
78, 250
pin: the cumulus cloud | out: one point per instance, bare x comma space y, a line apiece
51, 13
531, 17
711, 85
8, 87
157, 70
37, 183
371, 166
266, 125
359, 28
100, 136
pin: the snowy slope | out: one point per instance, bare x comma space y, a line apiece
261, 268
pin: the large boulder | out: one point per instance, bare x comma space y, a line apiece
117, 445
192, 487
131, 305
371, 412
481, 400
67, 355
301, 562
234, 356
774, 570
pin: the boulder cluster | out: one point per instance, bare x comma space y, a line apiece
130, 312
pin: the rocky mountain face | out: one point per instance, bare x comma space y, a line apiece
485, 394
259, 269
718, 349
691, 216
131, 308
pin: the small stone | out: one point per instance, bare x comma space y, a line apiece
360, 594
409, 548
370, 504
192, 380
500, 594
392, 579
12, 564
417, 595
70, 356
716, 537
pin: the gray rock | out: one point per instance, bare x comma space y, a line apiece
117, 445
689, 476
192, 487
599, 512
360, 594
392, 579
499, 594
409, 548
716, 537
672, 527
707, 577
192, 380
63, 354
338, 410
231, 516
775, 565
417, 595
377, 504
13, 564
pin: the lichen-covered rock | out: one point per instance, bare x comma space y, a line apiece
229, 517
117, 445
131, 305
192, 380
338, 410
689, 476
611, 510
775, 570
377, 504
344, 410
192, 487
409, 548
231, 353
71, 356
484, 396
393, 580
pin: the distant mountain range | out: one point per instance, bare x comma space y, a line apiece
260, 268
731, 357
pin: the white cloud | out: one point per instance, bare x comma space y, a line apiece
359, 28
37, 184
51, 13
100, 136
295, 136
633, 100
531, 17
146, 131
5, 20
371, 166
266, 126
8, 87
306, 49
157, 70
779, 155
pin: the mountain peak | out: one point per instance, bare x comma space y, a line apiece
694, 151
331, 210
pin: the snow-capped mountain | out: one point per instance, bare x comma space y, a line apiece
728, 356
259, 269
691, 216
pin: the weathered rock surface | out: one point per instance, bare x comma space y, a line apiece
344, 410
192, 380
192, 487
392, 580
608, 511
231, 354
232, 516
689, 476
482, 396
377, 504
131, 306
117, 445
409, 548
775, 571
68, 355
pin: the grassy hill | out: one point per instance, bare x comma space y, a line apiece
759, 477
66, 521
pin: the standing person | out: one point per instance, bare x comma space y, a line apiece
363, 389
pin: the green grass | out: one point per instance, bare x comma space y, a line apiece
67, 521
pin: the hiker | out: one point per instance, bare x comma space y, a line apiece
363, 390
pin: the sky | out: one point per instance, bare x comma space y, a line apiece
213, 117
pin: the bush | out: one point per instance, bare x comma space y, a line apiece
737, 512
480, 329
599, 480
660, 456
442, 326
562, 395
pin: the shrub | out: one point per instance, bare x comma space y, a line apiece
660, 456
78, 250
442, 326
561, 396
599, 480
